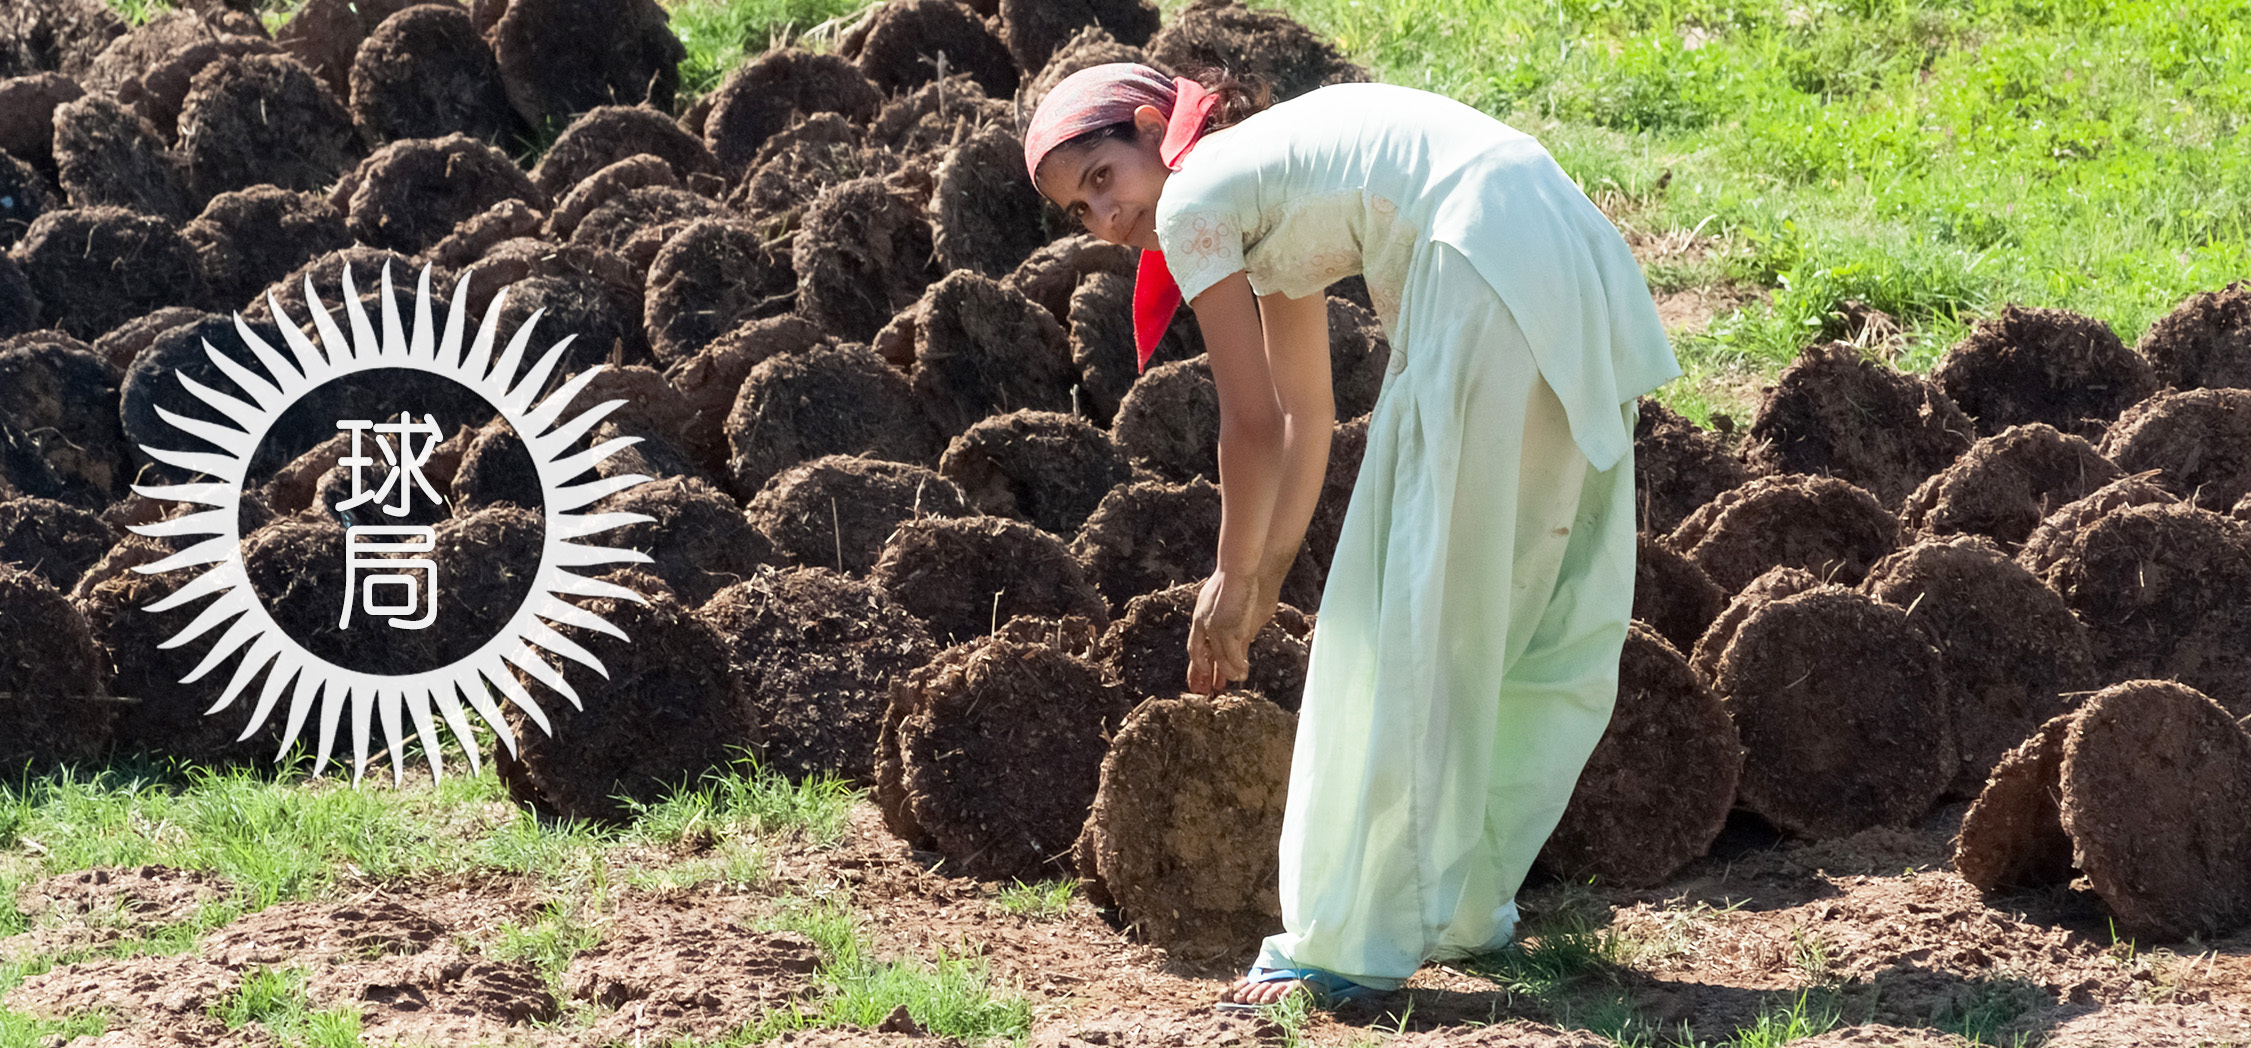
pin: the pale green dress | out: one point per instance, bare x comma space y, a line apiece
1467, 654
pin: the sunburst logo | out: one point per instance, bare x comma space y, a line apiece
313, 682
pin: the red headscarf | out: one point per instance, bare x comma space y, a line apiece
1097, 97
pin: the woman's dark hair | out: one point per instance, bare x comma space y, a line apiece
1238, 98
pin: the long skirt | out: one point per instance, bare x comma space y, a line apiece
1466, 659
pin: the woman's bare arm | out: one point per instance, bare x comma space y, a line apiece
1269, 360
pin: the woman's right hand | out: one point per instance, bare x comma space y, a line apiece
1228, 615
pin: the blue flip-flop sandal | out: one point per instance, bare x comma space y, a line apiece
1328, 989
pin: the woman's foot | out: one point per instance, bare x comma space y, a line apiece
1270, 986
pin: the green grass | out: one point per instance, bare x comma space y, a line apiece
1933, 158
1042, 901
719, 34
281, 835
274, 999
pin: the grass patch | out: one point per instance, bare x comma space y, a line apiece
1041, 901
18, 1030
1934, 158
720, 34
950, 996
274, 1000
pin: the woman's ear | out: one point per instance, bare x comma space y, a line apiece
1149, 123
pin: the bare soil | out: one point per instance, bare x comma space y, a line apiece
2007, 483
2205, 342
2044, 365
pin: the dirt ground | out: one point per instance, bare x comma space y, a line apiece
1872, 931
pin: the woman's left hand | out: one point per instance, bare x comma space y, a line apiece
1229, 612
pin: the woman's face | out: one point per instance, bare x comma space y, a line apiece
1111, 188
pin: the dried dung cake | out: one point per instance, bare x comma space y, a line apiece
1100, 310
1036, 29
607, 134
798, 162
410, 194
636, 223
54, 695
966, 576
699, 541
2205, 342
1149, 535
863, 254
981, 349
488, 559
67, 257
613, 180
2156, 778
1672, 595
1041, 466
54, 541
296, 569
769, 92
840, 400
1000, 746
838, 511
812, 656
262, 120
1089, 46
1844, 713
1187, 824
27, 117
709, 279
107, 155
2012, 836
55, 35
126, 341
2006, 484
248, 238
1822, 524
426, 73
1052, 275
1348, 444
155, 381
560, 57
1678, 467
1657, 788
901, 43
2200, 439
152, 73
708, 382
62, 400
604, 315
2043, 365
985, 215
1835, 414
2012, 652
326, 272
495, 469
2165, 592
156, 713
663, 715
1169, 422
326, 35
922, 124
1260, 42
1148, 647
2056, 531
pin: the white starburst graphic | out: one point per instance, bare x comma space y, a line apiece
331, 688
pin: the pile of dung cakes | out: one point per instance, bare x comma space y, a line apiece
918, 521
2021, 580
